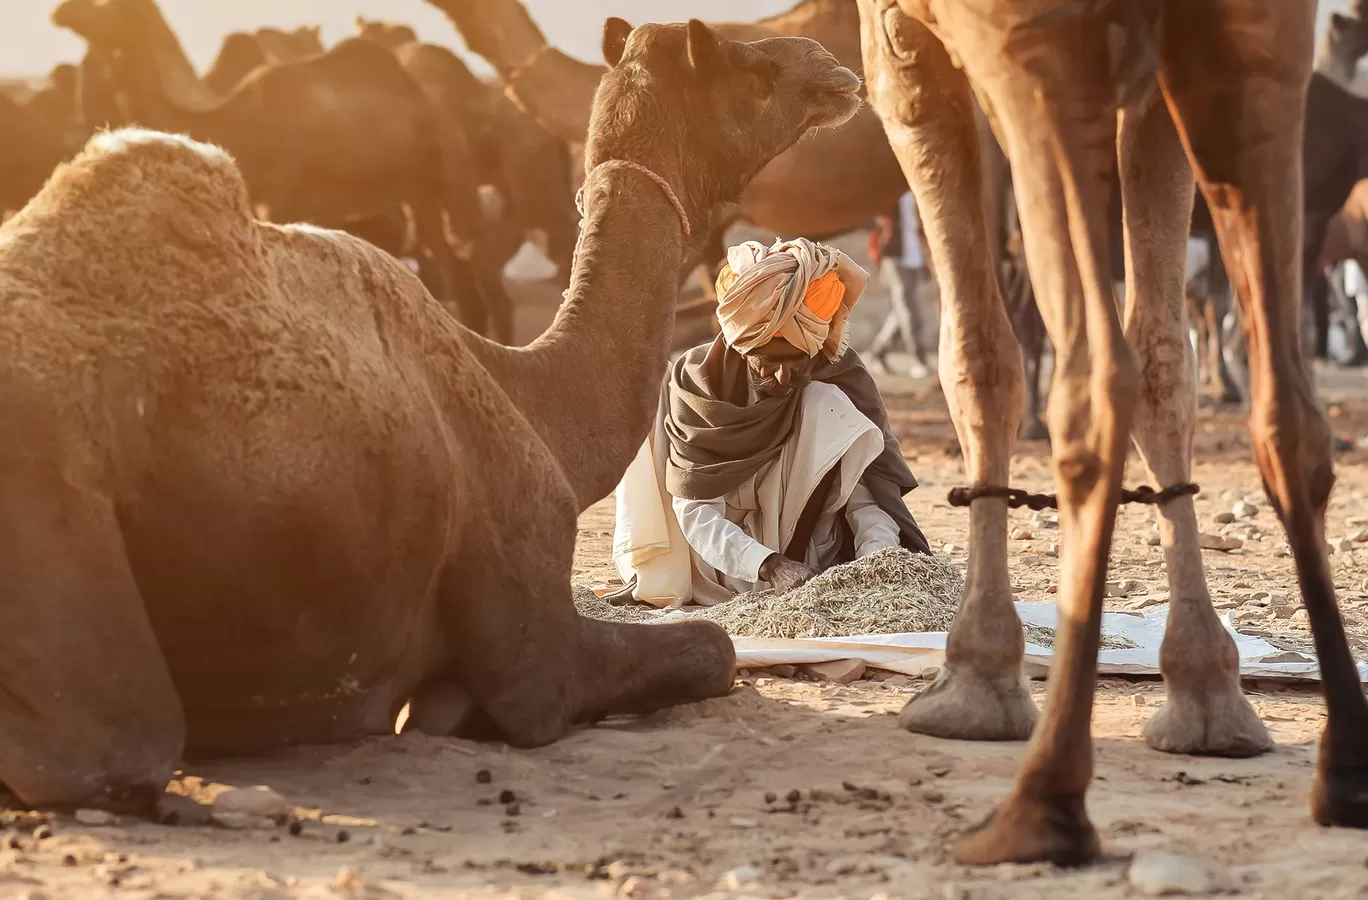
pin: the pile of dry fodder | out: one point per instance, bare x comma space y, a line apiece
888, 592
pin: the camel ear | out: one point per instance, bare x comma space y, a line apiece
615, 34
704, 52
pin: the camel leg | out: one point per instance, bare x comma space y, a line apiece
89, 716
1206, 711
1240, 111
1058, 113
927, 111
524, 665
1030, 333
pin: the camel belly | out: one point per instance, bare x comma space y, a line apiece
288, 570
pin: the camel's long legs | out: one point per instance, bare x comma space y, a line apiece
1240, 112
1206, 711
928, 112
1058, 118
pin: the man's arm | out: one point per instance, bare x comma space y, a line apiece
874, 529
723, 544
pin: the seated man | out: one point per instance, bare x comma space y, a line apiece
773, 441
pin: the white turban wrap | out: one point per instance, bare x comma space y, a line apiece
782, 291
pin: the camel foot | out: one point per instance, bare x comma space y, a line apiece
439, 709
969, 707
1033, 430
1218, 722
1024, 831
1339, 796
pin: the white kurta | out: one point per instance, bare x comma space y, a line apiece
705, 551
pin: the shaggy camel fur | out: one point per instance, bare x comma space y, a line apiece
518, 158
325, 140
281, 491
1075, 89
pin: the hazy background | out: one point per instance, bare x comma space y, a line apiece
30, 45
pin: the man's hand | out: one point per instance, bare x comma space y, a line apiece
783, 574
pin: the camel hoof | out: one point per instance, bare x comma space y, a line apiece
968, 707
1026, 831
1339, 796
1033, 430
1219, 722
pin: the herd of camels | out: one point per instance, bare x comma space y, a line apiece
283, 492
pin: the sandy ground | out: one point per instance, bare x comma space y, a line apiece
694, 801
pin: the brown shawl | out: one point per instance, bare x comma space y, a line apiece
717, 440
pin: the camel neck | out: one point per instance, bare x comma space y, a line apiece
590, 384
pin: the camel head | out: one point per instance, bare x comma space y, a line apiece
110, 24
1347, 37
707, 112
384, 32
284, 46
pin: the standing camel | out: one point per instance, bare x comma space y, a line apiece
1076, 89
326, 139
272, 435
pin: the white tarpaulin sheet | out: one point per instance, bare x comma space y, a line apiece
913, 653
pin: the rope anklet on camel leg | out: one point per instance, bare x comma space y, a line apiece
1017, 498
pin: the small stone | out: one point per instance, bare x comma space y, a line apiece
11, 841
1217, 542
1114, 589
841, 671
633, 886
771, 797
484, 776
95, 817
674, 812
32, 895
742, 822
1300, 617
950, 548
1244, 510
513, 809
296, 828
794, 796
783, 670
1153, 540
1159, 874
1021, 534
736, 879
1030, 560
506, 796
1052, 589
256, 801
1361, 537
1137, 700
42, 832
1223, 518
1052, 551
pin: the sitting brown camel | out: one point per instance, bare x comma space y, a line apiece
518, 158
1075, 89
282, 492
324, 140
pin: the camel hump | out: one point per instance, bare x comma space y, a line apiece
162, 200
134, 174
